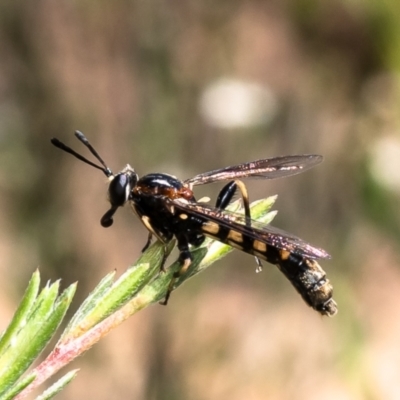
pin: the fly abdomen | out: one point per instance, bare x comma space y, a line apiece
306, 275
228, 236
309, 279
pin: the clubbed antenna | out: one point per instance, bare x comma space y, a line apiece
81, 137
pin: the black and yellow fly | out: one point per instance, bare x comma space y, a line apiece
168, 209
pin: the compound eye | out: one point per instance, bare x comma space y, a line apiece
119, 189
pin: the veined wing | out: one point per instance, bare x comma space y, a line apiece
269, 168
252, 229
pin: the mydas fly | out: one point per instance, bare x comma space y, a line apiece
168, 209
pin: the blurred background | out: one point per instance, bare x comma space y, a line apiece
184, 87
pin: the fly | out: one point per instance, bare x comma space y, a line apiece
168, 209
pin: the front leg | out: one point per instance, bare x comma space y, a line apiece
185, 259
163, 239
148, 243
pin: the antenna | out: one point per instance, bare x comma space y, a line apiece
82, 138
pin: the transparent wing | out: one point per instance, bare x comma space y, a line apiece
254, 229
269, 168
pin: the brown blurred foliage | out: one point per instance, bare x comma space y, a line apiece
130, 75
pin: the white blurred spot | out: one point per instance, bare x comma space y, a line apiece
233, 103
385, 163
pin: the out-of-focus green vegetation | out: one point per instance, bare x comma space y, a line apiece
184, 87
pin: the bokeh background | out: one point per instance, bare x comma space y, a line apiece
184, 86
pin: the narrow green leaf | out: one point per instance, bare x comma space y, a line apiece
43, 304
98, 292
126, 287
43, 320
90, 302
20, 316
260, 209
156, 290
132, 281
54, 320
56, 387
14, 390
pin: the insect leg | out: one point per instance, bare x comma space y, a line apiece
226, 195
224, 198
146, 246
185, 259
228, 191
146, 222
246, 204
